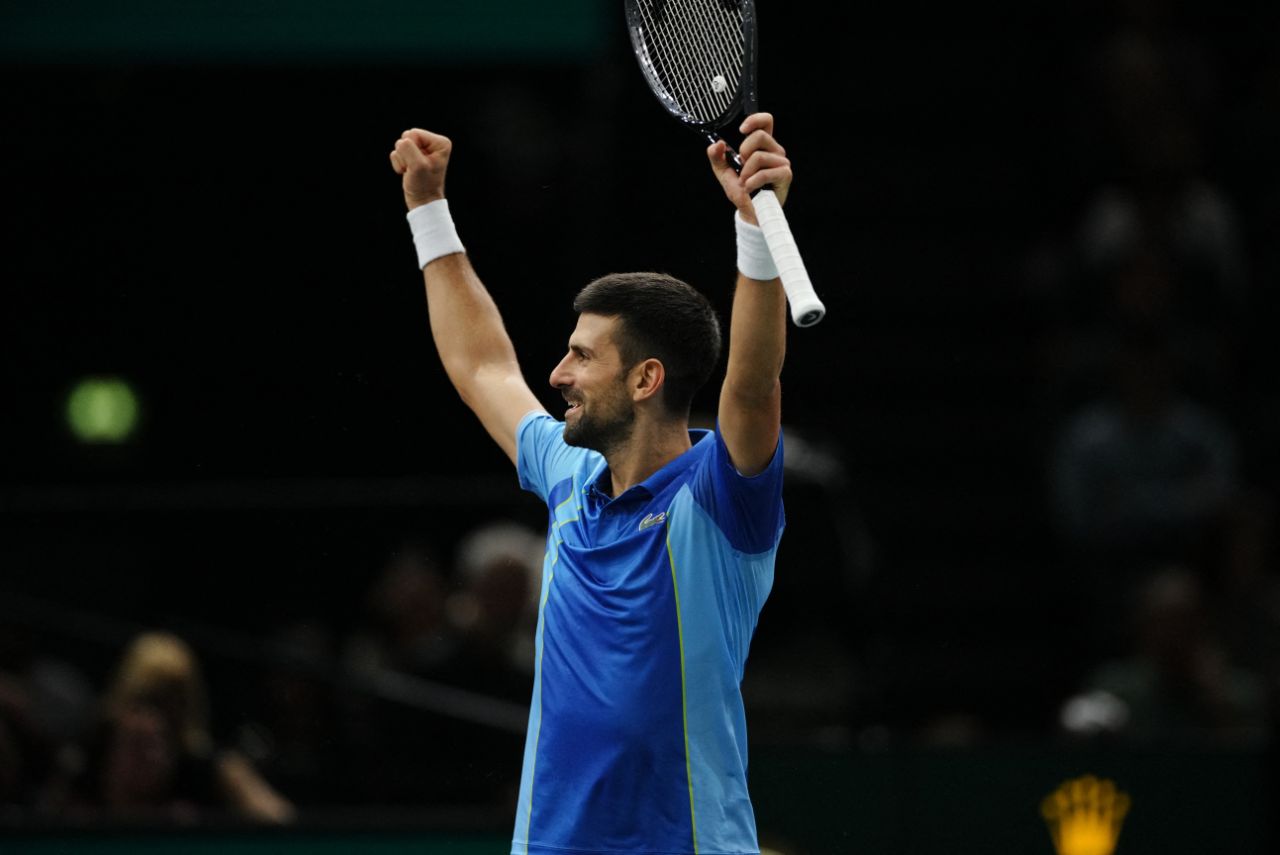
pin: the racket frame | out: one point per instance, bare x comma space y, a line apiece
748, 96
806, 307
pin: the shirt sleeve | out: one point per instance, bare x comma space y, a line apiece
542, 457
747, 509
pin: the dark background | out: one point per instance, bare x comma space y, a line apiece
212, 217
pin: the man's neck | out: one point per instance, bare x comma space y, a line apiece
651, 446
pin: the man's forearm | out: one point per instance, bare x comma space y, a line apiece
750, 413
757, 339
465, 322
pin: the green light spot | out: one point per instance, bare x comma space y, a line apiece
102, 410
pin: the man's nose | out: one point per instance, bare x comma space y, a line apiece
559, 375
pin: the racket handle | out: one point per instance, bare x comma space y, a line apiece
806, 308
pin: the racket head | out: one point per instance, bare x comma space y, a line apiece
698, 57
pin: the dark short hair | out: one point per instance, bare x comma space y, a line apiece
662, 318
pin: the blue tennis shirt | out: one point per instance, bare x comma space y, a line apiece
637, 738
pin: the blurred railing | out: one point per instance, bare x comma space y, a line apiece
233, 646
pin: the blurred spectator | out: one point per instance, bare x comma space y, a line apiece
399, 755
152, 756
1138, 478
494, 609
1178, 686
46, 705
404, 628
294, 737
478, 637
498, 571
1143, 471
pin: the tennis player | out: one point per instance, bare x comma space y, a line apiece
661, 540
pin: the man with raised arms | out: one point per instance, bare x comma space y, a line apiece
660, 540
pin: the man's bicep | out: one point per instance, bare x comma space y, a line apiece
500, 399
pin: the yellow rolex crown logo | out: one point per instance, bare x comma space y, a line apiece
1084, 816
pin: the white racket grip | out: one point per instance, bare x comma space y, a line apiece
806, 308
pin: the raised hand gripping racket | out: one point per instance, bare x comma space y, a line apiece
699, 57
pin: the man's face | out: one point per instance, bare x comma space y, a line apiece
593, 380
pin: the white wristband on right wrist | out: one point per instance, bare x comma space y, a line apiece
754, 259
434, 234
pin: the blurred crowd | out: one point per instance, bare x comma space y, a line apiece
141, 751
1160, 489
383, 714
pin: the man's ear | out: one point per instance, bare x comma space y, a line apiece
647, 379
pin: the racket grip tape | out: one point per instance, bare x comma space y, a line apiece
806, 308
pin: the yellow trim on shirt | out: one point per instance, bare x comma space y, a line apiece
684, 698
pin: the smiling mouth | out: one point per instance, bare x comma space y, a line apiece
573, 407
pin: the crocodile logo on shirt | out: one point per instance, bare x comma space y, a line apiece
650, 520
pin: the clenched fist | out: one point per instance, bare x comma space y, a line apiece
422, 158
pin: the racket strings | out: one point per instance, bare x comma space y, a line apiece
706, 24
699, 57
696, 47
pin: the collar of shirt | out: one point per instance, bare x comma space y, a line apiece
649, 487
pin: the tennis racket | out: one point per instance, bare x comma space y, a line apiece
699, 58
